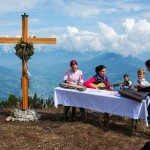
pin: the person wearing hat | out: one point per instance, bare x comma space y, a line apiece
73, 76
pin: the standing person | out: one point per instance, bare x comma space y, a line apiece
100, 79
145, 89
126, 82
73, 76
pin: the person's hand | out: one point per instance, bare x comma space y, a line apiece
135, 89
111, 88
68, 82
80, 84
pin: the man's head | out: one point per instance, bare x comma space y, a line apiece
147, 64
126, 77
141, 73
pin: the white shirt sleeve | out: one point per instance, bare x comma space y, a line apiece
81, 77
66, 75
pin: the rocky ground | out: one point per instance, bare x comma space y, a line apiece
51, 132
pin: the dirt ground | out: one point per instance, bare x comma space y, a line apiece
51, 132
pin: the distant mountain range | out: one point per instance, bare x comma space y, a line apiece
48, 68
9, 82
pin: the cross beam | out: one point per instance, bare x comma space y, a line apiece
25, 38
32, 40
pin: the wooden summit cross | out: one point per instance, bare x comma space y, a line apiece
25, 38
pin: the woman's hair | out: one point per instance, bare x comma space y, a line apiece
73, 62
147, 63
141, 70
99, 68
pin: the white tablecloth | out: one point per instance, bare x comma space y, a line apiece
102, 101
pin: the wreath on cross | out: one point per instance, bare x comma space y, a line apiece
24, 50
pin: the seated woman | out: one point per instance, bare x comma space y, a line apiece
101, 79
73, 76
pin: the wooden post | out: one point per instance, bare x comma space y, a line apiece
25, 79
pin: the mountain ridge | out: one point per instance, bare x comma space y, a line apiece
47, 70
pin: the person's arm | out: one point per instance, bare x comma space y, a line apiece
130, 84
80, 82
87, 83
66, 76
108, 84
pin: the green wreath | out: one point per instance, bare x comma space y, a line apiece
24, 50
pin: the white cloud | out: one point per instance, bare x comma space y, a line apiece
78, 40
134, 41
129, 24
131, 6
74, 25
8, 48
17, 5
34, 20
107, 31
78, 8
72, 30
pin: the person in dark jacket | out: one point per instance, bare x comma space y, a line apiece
146, 146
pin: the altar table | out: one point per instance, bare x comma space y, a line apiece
102, 101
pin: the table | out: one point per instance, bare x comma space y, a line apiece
102, 101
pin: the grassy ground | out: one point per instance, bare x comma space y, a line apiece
50, 132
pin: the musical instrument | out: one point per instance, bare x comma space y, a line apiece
138, 96
102, 86
71, 86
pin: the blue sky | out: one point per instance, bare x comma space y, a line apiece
119, 26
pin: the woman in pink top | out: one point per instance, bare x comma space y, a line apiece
73, 76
